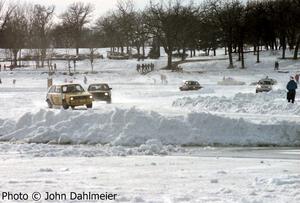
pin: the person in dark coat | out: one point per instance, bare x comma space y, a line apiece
291, 87
276, 67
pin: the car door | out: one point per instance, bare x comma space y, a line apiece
58, 96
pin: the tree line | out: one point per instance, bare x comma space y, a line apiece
177, 26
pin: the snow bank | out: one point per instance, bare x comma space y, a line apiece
261, 103
151, 147
131, 127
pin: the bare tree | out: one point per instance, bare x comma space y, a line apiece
16, 31
5, 12
164, 23
228, 15
40, 30
76, 17
140, 33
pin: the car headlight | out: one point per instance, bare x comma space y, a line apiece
71, 98
106, 93
258, 86
91, 97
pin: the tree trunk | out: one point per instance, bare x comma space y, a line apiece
169, 60
74, 63
230, 56
242, 56
283, 47
138, 52
69, 66
215, 52
92, 65
257, 56
183, 54
77, 51
20, 57
208, 50
15, 56
225, 50
296, 48
143, 50
276, 45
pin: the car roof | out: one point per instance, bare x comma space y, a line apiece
65, 84
191, 81
98, 84
266, 80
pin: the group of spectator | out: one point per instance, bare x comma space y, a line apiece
145, 68
11, 67
13, 81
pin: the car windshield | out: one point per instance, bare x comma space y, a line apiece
72, 88
265, 82
192, 83
98, 87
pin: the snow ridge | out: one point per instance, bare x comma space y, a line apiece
132, 127
262, 103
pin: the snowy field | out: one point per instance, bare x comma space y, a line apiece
155, 143
186, 175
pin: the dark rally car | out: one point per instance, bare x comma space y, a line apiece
190, 85
100, 92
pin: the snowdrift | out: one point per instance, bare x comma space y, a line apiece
133, 127
262, 103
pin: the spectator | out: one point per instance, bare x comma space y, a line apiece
276, 67
291, 87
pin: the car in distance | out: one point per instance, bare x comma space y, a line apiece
264, 85
68, 95
100, 92
190, 85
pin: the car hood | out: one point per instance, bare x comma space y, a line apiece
265, 86
78, 94
99, 91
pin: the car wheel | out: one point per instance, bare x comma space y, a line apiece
65, 105
50, 105
89, 106
108, 101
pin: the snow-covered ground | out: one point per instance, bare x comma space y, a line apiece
116, 146
188, 175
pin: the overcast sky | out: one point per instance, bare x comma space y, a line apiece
100, 6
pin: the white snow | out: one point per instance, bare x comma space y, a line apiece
170, 179
262, 103
132, 127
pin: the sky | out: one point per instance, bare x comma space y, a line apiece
101, 7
